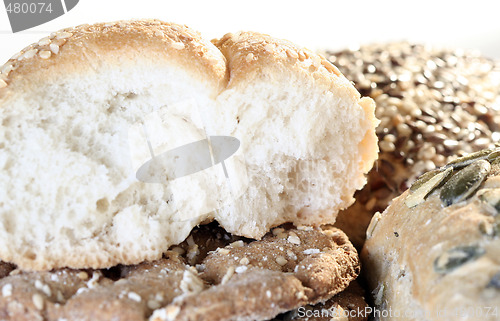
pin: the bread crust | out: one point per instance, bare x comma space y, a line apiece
87, 48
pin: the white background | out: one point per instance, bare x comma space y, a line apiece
314, 24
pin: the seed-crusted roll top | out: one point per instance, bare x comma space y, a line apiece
437, 246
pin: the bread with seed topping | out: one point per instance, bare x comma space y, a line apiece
434, 254
72, 106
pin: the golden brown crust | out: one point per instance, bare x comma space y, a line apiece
251, 53
87, 48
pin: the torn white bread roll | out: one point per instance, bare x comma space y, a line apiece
72, 109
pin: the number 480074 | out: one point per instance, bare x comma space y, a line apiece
25, 7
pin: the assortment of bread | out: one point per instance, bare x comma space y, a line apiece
150, 174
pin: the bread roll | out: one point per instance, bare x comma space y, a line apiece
434, 254
434, 104
76, 187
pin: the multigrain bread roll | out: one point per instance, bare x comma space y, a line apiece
434, 254
90, 113
434, 104
212, 276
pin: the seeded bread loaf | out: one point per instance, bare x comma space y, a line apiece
239, 280
434, 104
80, 187
434, 254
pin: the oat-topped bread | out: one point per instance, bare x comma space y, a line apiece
118, 138
435, 251
434, 105
234, 280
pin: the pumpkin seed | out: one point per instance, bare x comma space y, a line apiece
491, 197
424, 188
463, 161
464, 183
422, 179
457, 257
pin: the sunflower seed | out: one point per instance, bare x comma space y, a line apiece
456, 257
470, 158
431, 182
464, 183
492, 197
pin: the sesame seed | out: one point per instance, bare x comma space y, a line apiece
311, 251
7, 290
3, 84
54, 48
241, 269
269, 47
223, 251
294, 239
177, 45
229, 273
237, 244
329, 233
249, 57
134, 296
300, 295
292, 53
63, 35
291, 255
281, 260
8, 67
278, 230
268, 293
44, 41
38, 301
179, 250
331, 68
60, 296
83, 275
302, 56
244, 261
45, 54
16, 56
29, 54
